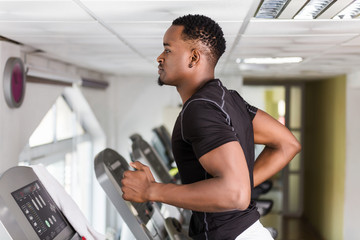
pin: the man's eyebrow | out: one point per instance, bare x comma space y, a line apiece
166, 44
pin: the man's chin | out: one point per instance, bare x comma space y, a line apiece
160, 82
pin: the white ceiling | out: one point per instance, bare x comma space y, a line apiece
125, 37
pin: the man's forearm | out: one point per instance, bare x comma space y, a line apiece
211, 195
272, 160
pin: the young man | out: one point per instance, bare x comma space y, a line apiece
213, 140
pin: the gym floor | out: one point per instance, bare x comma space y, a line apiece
290, 228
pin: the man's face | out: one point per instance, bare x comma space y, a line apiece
175, 59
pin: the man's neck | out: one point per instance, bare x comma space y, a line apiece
191, 87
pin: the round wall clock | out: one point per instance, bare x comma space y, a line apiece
14, 82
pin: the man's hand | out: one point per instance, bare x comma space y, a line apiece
136, 184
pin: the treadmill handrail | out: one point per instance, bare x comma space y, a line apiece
115, 195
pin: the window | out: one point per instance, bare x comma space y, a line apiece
63, 145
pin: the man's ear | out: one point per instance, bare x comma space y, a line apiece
195, 58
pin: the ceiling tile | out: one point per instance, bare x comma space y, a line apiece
68, 29
302, 27
353, 42
126, 11
29, 11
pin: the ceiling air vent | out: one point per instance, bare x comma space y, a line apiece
313, 9
352, 11
271, 8
308, 9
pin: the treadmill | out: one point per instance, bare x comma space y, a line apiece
162, 143
144, 153
27, 211
144, 220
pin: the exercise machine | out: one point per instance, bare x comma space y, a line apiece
143, 152
162, 144
144, 220
27, 211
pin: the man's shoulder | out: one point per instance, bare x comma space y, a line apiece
212, 91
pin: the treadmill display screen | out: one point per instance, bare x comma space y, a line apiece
40, 210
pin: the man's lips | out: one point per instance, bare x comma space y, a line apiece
160, 70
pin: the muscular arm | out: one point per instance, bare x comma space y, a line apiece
228, 189
280, 146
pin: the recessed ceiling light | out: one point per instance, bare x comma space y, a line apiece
352, 11
313, 9
276, 60
271, 8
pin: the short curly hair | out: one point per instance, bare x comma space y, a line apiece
203, 29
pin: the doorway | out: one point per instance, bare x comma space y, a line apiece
284, 102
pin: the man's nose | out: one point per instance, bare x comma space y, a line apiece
160, 59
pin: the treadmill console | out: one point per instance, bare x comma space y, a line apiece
40, 210
27, 209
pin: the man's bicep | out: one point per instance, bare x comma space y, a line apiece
268, 130
226, 160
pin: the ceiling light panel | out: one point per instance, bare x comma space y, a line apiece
291, 9
313, 8
352, 11
334, 9
276, 60
270, 8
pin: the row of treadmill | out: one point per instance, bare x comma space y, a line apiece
22, 194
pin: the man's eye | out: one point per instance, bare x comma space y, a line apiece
166, 50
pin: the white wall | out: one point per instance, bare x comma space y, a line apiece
130, 106
352, 179
16, 125
137, 106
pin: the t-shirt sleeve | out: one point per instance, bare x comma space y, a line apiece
205, 126
250, 109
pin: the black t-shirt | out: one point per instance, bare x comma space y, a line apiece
212, 117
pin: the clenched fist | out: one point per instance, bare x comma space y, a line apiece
136, 184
